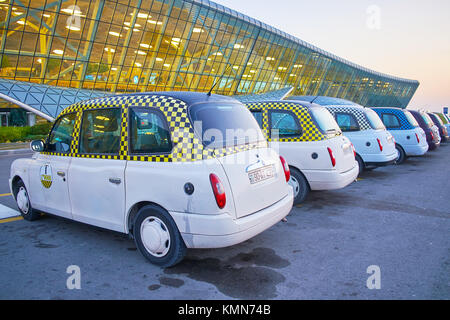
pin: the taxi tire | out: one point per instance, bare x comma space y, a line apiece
361, 164
303, 184
402, 155
177, 249
32, 214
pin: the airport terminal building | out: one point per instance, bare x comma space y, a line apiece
54, 53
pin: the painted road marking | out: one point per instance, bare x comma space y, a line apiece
11, 219
5, 194
6, 212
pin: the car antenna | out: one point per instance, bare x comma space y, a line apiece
313, 99
220, 78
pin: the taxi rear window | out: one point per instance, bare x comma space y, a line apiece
325, 121
224, 124
374, 119
411, 118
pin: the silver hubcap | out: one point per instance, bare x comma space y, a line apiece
295, 185
155, 236
22, 200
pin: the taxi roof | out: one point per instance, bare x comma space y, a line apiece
302, 103
189, 98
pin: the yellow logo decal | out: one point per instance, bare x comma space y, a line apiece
46, 176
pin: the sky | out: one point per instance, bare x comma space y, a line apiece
405, 38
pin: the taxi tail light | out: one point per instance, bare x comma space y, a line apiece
332, 158
218, 190
417, 137
287, 171
432, 135
380, 145
354, 150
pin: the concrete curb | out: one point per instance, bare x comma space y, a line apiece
15, 151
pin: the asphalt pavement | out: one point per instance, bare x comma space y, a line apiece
394, 219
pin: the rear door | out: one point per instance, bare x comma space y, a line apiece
97, 175
48, 187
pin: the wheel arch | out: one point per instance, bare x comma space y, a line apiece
132, 212
14, 182
300, 171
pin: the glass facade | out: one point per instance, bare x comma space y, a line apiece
154, 45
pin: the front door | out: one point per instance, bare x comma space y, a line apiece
96, 175
48, 188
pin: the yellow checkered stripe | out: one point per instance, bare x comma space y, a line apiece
186, 146
356, 111
310, 132
46, 184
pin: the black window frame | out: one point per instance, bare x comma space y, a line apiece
295, 119
164, 119
81, 128
47, 140
391, 114
351, 116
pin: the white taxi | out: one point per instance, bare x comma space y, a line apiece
175, 170
319, 156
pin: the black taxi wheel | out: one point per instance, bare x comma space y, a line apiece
23, 202
299, 185
401, 155
157, 237
361, 164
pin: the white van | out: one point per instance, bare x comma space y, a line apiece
160, 167
410, 139
319, 156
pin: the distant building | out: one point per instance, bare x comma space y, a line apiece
127, 46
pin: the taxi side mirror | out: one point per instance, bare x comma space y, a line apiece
37, 145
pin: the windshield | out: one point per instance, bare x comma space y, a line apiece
224, 124
374, 119
326, 121
411, 118
427, 119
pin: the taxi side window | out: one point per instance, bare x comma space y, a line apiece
258, 116
390, 120
149, 132
286, 123
100, 131
61, 136
347, 122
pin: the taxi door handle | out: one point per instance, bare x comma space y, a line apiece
115, 180
61, 174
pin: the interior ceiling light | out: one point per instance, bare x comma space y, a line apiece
73, 28
115, 34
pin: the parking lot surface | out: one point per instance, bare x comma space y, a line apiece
396, 218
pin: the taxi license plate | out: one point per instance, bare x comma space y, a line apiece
261, 174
